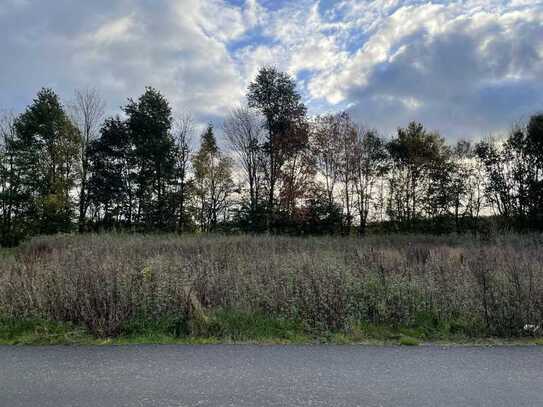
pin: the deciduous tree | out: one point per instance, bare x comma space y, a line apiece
213, 181
370, 164
183, 130
414, 153
88, 112
244, 132
274, 94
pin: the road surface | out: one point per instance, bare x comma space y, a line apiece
263, 376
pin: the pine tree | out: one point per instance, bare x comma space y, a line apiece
109, 186
149, 123
47, 147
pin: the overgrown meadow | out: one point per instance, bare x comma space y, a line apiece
250, 287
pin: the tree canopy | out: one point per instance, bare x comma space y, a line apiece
269, 167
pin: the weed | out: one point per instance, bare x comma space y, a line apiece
261, 287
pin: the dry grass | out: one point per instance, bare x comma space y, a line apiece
447, 284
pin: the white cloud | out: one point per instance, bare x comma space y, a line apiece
119, 29
464, 66
436, 62
179, 47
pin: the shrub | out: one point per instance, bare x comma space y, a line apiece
107, 282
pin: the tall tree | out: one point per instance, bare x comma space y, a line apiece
347, 138
88, 112
326, 149
183, 136
505, 169
475, 180
109, 185
244, 132
149, 122
444, 190
466, 185
414, 153
534, 145
298, 171
514, 171
213, 180
370, 163
12, 199
274, 94
47, 144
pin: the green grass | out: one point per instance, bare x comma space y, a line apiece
409, 341
221, 327
41, 332
233, 327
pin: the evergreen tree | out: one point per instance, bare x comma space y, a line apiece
13, 202
47, 146
149, 123
109, 185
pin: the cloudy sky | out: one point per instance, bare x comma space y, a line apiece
467, 68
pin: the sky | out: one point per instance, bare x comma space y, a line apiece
466, 68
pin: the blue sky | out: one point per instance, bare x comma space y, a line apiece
466, 68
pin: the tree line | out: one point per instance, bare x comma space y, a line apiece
66, 168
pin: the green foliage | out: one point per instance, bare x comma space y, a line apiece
149, 124
243, 326
134, 169
418, 160
274, 95
408, 341
44, 147
326, 175
41, 332
110, 166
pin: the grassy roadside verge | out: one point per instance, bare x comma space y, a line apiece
237, 328
399, 289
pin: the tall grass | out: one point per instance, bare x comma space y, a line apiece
107, 282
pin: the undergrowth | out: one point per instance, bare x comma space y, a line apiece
402, 288
235, 328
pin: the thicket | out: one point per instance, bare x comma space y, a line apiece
112, 284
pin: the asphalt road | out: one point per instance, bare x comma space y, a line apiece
270, 376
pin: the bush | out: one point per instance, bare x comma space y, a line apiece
109, 283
